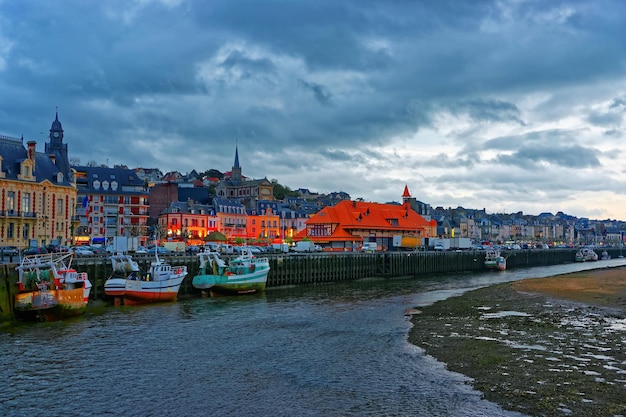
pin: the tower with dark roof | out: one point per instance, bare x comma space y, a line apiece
58, 149
236, 172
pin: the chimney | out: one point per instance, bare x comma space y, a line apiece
31, 149
31, 152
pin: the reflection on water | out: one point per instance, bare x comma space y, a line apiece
332, 349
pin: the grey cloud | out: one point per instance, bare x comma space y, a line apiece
321, 94
562, 156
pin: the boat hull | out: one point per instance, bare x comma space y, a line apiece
498, 264
134, 292
232, 284
51, 305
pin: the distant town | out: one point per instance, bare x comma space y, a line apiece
49, 199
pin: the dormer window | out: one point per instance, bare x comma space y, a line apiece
26, 170
96, 184
105, 185
114, 185
59, 177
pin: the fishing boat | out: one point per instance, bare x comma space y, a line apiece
49, 288
244, 274
586, 255
493, 260
129, 285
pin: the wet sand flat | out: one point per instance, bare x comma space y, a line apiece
603, 287
544, 347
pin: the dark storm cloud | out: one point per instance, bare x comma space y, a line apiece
323, 85
561, 156
488, 110
321, 94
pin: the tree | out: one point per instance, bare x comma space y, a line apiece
211, 173
282, 191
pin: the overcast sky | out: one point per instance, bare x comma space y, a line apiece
502, 105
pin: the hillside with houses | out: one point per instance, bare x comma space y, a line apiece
48, 201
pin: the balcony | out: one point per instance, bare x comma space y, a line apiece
18, 214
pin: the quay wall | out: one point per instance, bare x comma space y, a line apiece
303, 269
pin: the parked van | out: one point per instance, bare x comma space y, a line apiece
211, 247
226, 248
304, 246
369, 247
280, 247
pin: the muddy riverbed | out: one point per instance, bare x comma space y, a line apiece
543, 347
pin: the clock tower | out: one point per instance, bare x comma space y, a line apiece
56, 133
57, 148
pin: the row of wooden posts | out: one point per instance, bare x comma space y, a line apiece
304, 269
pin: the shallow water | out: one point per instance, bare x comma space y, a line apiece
318, 350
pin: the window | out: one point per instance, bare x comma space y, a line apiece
25, 231
60, 206
11, 230
26, 202
11, 201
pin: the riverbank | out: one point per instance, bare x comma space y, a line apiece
543, 347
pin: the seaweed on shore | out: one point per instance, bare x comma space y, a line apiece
529, 353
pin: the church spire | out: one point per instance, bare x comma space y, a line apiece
406, 193
406, 196
236, 171
236, 157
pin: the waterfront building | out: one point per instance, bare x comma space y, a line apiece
263, 223
293, 213
38, 191
188, 222
232, 218
348, 224
111, 202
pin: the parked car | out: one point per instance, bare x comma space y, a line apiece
141, 250
192, 250
82, 251
34, 250
160, 250
97, 250
242, 249
8, 250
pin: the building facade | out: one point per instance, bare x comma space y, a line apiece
111, 202
188, 222
349, 224
37, 192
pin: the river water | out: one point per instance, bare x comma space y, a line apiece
323, 350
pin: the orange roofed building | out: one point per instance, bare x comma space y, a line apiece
348, 224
